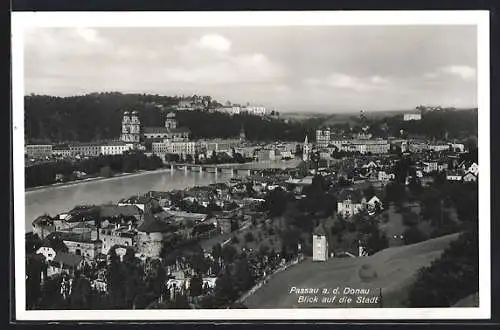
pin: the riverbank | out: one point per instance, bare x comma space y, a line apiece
122, 175
94, 179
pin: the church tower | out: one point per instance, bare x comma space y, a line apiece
131, 127
171, 122
125, 127
306, 150
135, 127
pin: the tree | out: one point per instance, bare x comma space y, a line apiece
115, 279
217, 251
242, 276
298, 150
34, 268
228, 253
106, 172
454, 276
410, 219
196, 286
249, 237
276, 202
133, 276
376, 241
413, 235
80, 292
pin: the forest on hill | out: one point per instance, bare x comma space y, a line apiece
97, 116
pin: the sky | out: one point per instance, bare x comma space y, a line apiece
316, 69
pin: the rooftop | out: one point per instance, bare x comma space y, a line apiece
68, 259
164, 130
153, 225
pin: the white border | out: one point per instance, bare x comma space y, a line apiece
22, 20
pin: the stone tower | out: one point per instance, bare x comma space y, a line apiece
150, 236
306, 150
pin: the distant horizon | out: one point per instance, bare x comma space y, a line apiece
285, 68
289, 111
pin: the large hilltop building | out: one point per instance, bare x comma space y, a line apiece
133, 134
171, 131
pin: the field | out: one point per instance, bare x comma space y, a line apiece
393, 269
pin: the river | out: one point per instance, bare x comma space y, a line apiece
57, 199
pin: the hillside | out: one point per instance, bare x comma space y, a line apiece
395, 270
98, 116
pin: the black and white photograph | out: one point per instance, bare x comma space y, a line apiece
251, 165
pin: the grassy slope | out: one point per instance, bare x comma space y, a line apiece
395, 267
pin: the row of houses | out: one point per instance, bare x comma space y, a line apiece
38, 151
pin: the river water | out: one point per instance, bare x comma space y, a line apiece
57, 199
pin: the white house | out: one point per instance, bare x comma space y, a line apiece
373, 205
48, 253
474, 169
453, 176
351, 202
469, 177
412, 116
385, 177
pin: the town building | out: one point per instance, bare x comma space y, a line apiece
85, 150
439, 147
454, 176
48, 253
171, 131
115, 148
374, 205
117, 235
63, 151
412, 116
323, 137
43, 226
38, 150
320, 244
469, 177
178, 148
117, 213
131, 127
79, 215
79, 245
65, 262
266, 154
350, 202
255, 110
470, 167
416, 146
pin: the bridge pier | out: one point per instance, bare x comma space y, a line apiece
172, 167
